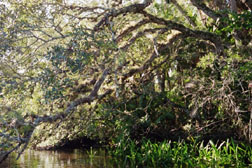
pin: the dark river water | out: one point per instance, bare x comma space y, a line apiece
71, 158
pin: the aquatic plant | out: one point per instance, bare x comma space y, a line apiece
183, 154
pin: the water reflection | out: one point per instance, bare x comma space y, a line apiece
74, 158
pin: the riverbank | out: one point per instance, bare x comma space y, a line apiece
183, 154
131, 153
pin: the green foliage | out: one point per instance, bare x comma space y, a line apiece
238, 21
227, 26
182, 154
141, 116
206, 61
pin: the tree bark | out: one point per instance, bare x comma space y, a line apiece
233, 6
250, 109
209, 12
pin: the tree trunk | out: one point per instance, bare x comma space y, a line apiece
233, 6
250, 109
3, 156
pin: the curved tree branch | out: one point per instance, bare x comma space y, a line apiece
209, 12
88, 99
184, 13
191, 33
131, 28
153, 56
141, 34
135, 8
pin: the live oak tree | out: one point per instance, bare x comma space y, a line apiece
147, 66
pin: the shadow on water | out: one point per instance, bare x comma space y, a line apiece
70, 158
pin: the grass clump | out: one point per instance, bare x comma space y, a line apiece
182, 154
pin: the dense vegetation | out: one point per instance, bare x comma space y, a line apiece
182, 154
128, 73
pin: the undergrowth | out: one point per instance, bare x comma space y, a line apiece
182, 154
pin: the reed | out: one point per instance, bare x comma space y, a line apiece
182, 154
